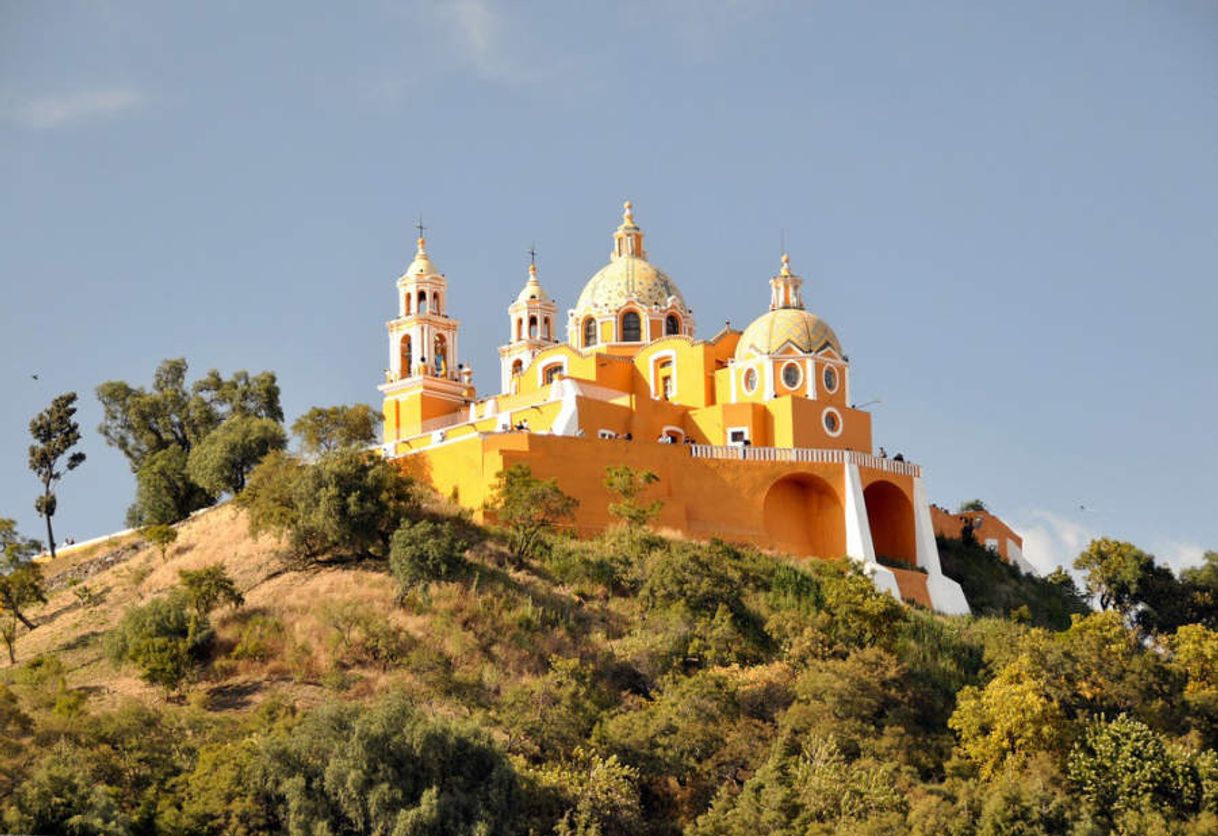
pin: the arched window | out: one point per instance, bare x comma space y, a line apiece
632, 328
405, 357
664, 378
422, 307
532, 327
517, 367
589, 332
440, 354
435, 303
551, 372
672, 325
545, 329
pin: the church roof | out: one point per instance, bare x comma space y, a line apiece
768, 333
422, 264
532, 289
628, 275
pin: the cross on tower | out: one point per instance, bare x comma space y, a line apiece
419, 226
532, 254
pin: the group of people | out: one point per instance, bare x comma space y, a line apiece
899, 457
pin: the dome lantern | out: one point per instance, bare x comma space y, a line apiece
628, 239
786, 288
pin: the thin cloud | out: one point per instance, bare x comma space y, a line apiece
1179, 554
1051, 540
48, 112
478, 30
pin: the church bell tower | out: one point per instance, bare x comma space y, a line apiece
424, 383
531, 321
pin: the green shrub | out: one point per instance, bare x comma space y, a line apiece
346, 505
425, 551
387, 769
164, 638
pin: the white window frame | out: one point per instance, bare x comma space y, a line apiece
545, 367
743, 431
656, 359
829, 410
744, 377
782, 371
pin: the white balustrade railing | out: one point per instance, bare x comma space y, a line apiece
803, 455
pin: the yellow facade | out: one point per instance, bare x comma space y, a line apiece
752, 433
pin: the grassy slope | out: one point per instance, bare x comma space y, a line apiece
997, 588
471, 629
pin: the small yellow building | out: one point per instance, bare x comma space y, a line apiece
753, 434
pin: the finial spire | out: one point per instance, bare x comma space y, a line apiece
786, 266
422, 241
532, 259
628, 215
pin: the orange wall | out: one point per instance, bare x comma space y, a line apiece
789, 506
986, 527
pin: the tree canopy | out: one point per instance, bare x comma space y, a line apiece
55, 433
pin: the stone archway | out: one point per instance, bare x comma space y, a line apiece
890, 515
803, 516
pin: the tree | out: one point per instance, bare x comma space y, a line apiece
157, 430
1115, 572
386, 768
346, 505
207, 588
55, 433
972, 506
528, 507
20, 583
325, 429
224, 458
164, 491
163, 638
140, 422
1122, 766
160, 535
425, 551
628, 483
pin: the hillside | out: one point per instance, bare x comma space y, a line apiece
629, 684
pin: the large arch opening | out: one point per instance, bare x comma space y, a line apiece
891, 518
803, 516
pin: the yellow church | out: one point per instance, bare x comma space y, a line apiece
752, 434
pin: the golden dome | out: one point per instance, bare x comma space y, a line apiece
626, 278
532, 290
768, 333
628, 275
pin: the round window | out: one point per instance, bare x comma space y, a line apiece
832, 421
792, 375
750, 381
830, 378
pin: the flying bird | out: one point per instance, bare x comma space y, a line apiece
34, 376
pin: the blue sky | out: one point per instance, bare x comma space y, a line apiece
1008, 213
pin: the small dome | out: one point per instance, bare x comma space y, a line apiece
768, 333
421, 266
532, 289
626, 278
